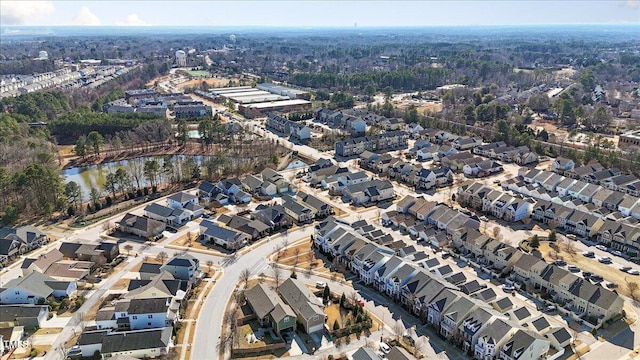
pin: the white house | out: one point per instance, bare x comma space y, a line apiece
34, 288
181, 200
227, 238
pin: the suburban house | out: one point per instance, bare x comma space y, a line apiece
54, 265
270, 309
137, 314
28, 316
226, 238
276, 178
86, 252
34, 288
141, 226
368, 192
182, 267
301, 213
168, 215
137, 343
255, 229
321, 208
560, 165
181, 200
161, 285
273, 216
307, 307
17, 241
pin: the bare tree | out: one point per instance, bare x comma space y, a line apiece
353, 298
190, 238
209, 265
162, 256
277, 274
311, 256
632, 288
496, 231
296, 254
285, 242
128, 248
398, 329
245, 274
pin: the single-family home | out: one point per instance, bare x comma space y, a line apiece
141, 226
226, 238
148, 343
270, 310
307, 307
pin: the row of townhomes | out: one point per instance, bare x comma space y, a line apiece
465, 313
389, 141
235, 231
141, 322
590, 210
584, 299
405, 172
235, 190
354, 188
283, 126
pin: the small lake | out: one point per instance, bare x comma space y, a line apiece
95, 175
295, 164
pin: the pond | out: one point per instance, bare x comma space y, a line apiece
94, 176
295, 164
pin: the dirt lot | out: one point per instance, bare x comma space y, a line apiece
609, 272
213, 82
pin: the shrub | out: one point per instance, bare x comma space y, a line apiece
336, 326
33, 353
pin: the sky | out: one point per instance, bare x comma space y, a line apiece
318, 13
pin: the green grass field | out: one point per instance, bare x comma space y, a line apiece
198, 73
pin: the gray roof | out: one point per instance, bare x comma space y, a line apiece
300, 298
136, 340
150, 268
143, 306
92, 337
265, 301
365, 353
182, 197
159, 210
34, 283
9, 313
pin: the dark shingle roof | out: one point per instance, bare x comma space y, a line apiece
136, 340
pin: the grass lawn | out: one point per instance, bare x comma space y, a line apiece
197, 73
250, 328
48, 331
335, 313
25, 353
610, 273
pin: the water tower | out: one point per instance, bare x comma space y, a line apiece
43, 55
181, 58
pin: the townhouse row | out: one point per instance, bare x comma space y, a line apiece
474, 320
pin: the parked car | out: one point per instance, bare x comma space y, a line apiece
508, 288
601, 247
586, 274
483, 218
560, 263
589, 254
633, 272
612, 285
573, 268
625, 268
321, 284
596, 278
385, 348
571, 236
605, 260
616, 253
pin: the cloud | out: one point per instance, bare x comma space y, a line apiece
131, 20
633, 4
84, 17
22, 12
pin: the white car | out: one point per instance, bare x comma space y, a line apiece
385, 348
321, 284
508, 288
601, 247
633, 272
